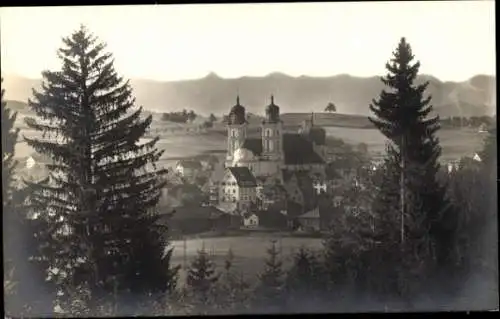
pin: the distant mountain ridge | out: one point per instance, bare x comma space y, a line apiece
351, 95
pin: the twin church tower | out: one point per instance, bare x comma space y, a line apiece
271, 148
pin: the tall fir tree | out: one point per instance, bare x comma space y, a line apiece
232, 291
402, 114
9, 139
26, 293
270, 290
201, 278
304, 281
103, 187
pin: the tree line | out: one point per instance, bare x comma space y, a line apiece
180, 117
87, 241
473, 121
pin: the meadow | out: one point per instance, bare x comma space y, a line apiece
455, 142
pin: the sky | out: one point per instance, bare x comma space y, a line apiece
453, 40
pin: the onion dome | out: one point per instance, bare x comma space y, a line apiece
237, 113
272, 112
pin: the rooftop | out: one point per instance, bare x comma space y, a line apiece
243, 176
298, 150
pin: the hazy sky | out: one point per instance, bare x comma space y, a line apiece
454, 40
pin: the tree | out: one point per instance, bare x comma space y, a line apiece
9, 140
103, 188
232, 291
212, 118
269, 292
201, 278
304, 280
331, 107
488, 154
402, 115
26, 293
191, 116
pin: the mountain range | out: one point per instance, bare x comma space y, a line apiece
350, 94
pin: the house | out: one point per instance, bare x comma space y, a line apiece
310, 221
250, 220
238, 186
188, 168
271, 194
270, 219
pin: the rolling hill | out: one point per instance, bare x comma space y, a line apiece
351, 95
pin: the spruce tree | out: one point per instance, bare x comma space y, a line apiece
201, 275
269, 292
410, 186
304, 280
232, 290
103, 187
26, 293
9, 140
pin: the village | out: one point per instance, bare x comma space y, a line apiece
280, 181
275, 180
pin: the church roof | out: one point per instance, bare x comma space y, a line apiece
254, 145
243, 176
297, 149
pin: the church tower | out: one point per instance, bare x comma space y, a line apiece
272, 133
236, 130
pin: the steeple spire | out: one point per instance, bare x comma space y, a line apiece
238, 99
272, 99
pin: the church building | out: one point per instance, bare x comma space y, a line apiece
275, 154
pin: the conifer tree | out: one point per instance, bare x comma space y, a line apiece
232, 290
9, 140
488, 154
201, 277
304, 281
103, 187
269, 293
402, 114
25, 290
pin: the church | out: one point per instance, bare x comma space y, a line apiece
270, 157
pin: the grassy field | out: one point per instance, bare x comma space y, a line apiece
249, 251
455, 142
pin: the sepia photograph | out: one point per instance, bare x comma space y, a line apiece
249, 158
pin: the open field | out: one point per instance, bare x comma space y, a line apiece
249, 251
327, 119
455, 142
